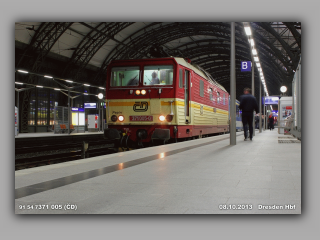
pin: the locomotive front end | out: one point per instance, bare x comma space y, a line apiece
140, 101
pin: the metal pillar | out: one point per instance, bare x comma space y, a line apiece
293, 97
260, 119
18, 93
99, 110
69, 109
299, 125
254, 129
232, 87
264, 110
102, 121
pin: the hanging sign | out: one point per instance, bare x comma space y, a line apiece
246, 66
90, 105
271, 100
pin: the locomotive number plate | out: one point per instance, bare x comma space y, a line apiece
140, 118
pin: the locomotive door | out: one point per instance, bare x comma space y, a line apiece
187, 96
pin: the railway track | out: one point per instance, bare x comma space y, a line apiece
30, 156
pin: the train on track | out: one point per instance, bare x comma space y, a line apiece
162, 99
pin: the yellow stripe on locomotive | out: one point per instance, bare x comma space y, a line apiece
150, 110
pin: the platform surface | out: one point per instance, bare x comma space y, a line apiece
52, 134
200, 176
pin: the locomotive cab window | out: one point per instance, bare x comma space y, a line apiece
180, 78
158, 75
210, 94
201, 88
124, 76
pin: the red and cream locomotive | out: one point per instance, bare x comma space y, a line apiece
162, 99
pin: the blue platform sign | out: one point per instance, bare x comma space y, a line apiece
77, 109
90, 105
271, 100
246, 66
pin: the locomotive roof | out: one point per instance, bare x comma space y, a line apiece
200, 72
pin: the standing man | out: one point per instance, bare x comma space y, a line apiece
271, 121
248, 103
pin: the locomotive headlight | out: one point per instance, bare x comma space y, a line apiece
161, 118
114, 118
137, 92
143, 92
121, 118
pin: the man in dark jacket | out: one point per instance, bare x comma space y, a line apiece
248, 103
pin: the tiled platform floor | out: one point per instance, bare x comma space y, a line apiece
200, 180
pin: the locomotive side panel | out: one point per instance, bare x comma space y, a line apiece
209, 112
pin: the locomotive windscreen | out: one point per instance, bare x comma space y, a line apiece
158, 75
124, 76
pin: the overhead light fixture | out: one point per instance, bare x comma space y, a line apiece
22, 71
57, 89
283, 89
18, 83
101, 87
39, 86
100, 95
46, 76
248, 30
85, 93
254, 51
85, 84
69, 81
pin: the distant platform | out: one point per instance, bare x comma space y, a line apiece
52, 134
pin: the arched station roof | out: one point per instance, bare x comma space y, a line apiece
83, 45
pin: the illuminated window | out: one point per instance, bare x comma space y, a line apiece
32, 108
158, 75
210, 94
42, 107
125, 76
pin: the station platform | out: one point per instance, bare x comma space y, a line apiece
201, 176
52, 134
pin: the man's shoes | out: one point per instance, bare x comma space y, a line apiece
245, 139
250, 139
